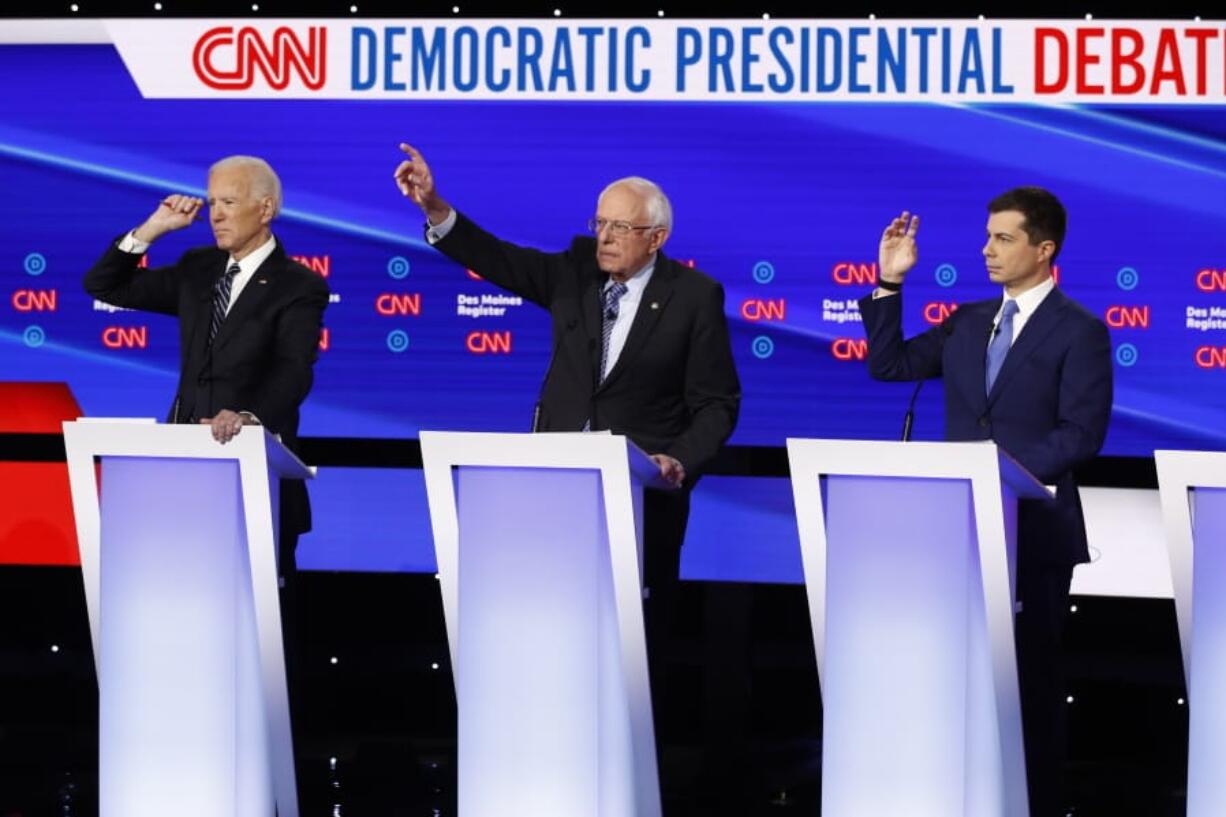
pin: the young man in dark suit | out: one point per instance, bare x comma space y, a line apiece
1031, 371
249, 317
641, 348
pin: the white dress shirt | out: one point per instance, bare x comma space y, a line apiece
628, 307
1027, 303
437, 232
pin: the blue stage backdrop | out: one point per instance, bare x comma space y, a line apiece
782, 202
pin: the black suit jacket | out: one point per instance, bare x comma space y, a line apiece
674, 388
261, 360
1048, 407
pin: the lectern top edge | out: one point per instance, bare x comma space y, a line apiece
935, 460
569, 450
127, 438
1024, 484
1196, 469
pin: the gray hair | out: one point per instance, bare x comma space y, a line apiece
659, 210
264, 180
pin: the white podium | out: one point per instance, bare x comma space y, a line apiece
538, 542
908, 552
1192, 487
178, 553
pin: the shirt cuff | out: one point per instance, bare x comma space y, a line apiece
882, 293
437, 232
130, 243
251, 416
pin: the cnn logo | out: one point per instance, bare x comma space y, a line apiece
1211, 280
1127, 317
488, 343
1211, 357
35, 300
758, 309
228, 60
849, 273
849, 348
390, 304
125, 337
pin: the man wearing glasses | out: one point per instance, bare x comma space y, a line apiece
640, 344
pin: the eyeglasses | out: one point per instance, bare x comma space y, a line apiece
618, 228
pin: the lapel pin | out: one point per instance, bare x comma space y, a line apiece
655, 304
263, 281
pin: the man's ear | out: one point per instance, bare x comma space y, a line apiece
1047, 249
658, 237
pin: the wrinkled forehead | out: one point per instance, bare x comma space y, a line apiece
622, 203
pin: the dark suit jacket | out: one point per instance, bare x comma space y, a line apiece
261, 360
674, 388
1049, 405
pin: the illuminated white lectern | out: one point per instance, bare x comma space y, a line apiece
178, 553
1192, 486
908, 552
539, 558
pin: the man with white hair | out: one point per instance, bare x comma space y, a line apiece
640, 342
249, 317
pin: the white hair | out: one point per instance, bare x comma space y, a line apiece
264, 180
659, 210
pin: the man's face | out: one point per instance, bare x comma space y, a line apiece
623, 255
1012, 261
238, 218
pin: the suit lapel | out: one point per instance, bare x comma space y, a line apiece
590, 310
651, 306
966, 371
1041, 323
262, 281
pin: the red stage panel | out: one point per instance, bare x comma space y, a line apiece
36, 522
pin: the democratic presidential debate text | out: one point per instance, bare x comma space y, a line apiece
795, 60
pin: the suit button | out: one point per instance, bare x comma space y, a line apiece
984, 422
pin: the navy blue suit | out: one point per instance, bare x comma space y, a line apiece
1049, 408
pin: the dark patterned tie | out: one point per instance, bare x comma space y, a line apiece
1002, 339
221, 299
612, 301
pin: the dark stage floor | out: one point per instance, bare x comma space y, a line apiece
744, 667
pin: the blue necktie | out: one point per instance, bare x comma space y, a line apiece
1002, 339
221, 299
612, 301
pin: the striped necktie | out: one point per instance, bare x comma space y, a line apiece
612, 301
221, 299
